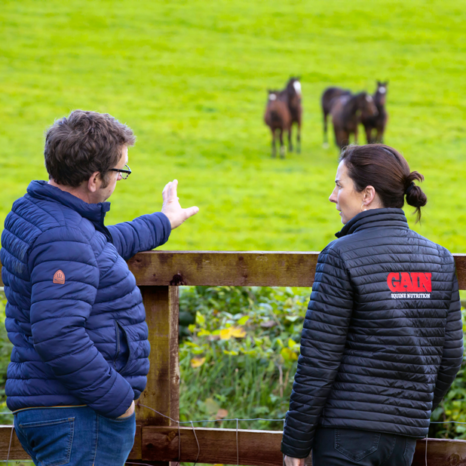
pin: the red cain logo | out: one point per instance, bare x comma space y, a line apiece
59, 277
400, 282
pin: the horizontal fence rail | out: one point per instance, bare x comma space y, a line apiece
226, 446
158, 440
218, 268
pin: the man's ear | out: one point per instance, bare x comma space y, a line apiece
94, 182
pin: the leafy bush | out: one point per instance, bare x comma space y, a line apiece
5, 351
238, 354
240, 357
453, 406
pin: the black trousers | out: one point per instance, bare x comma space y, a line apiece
340, 447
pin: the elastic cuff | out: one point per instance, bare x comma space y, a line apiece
124, 405
167, 227
293, 453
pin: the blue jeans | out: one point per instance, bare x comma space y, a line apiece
74, 436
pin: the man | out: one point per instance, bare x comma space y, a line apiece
75, 315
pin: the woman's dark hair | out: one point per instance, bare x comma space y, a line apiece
84, 143
387, 171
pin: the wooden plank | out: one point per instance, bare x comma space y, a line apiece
262, 448
162, 391
460, 262
236, 268
440, 452
164, 268
224, 268
259, 448
16, 450
256, 448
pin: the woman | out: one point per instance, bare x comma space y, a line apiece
382, 337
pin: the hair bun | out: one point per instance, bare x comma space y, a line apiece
415, 196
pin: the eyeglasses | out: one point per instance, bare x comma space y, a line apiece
123, 173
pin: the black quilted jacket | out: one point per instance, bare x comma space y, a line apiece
382, 340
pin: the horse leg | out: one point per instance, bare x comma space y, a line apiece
298, 138
274, 150
325, 131
337, 135
379, 136
356, 134
290, 143
344, 139
282, 146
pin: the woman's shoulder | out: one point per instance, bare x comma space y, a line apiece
360, 242
430, 246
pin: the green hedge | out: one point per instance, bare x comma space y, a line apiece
238, 355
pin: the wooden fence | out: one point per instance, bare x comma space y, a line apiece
159, 274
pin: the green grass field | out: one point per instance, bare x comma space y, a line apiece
190, 78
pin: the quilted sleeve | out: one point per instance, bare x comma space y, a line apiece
322, 344
452, 349
142, 234
64, 278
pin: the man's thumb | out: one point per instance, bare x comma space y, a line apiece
190, 211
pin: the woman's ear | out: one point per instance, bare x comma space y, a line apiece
368, 195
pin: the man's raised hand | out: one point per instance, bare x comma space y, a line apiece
171, 205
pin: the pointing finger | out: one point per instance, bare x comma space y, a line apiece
164, 191
174, 188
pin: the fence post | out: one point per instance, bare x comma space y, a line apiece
162, 391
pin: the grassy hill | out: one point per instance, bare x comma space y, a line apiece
190, 78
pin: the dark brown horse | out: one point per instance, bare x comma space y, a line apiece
278, 118
293, 92
375, 125
345, 109
326, 101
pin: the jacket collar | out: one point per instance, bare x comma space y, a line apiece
375, 218
95, 213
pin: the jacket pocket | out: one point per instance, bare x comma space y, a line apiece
124, 348
51, 441
356, 445
117, 339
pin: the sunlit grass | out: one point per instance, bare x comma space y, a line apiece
191, 78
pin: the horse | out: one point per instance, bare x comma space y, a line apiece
345, 109
326, 101
278, 118
293, 92
379, 121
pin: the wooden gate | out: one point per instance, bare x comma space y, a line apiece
159, 275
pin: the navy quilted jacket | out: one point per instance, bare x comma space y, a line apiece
382, 339
74, 314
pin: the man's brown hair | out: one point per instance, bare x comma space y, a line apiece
84, 143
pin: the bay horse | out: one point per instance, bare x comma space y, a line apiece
293, 92
345, 109
377, 123
326, 101
278, 118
